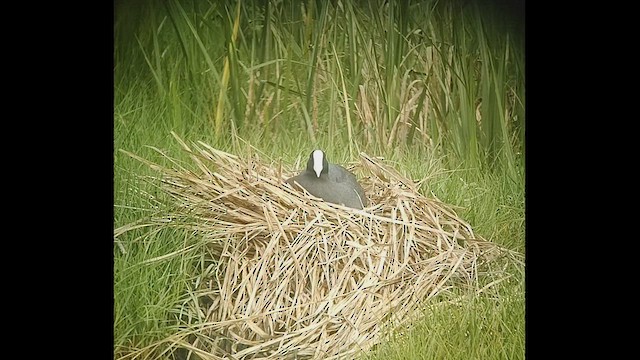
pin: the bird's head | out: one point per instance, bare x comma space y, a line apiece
318, 163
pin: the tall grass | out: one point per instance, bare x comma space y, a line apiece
432, 73
437, 86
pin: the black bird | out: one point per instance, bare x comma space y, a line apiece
330, 182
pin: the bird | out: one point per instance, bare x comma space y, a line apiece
330, 182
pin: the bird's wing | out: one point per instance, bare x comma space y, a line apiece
339, 174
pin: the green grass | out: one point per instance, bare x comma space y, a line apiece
435, 87
489, 326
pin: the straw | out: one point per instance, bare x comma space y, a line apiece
301, 278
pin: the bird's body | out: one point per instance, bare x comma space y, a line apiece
330, 182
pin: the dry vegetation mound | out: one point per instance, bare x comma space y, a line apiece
294, 277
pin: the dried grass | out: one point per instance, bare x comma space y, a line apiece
296, 277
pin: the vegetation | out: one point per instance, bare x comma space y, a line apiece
436, 87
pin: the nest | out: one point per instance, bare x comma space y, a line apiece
292, 276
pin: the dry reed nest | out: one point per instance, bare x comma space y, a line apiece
292, 276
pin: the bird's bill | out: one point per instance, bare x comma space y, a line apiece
318, 159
